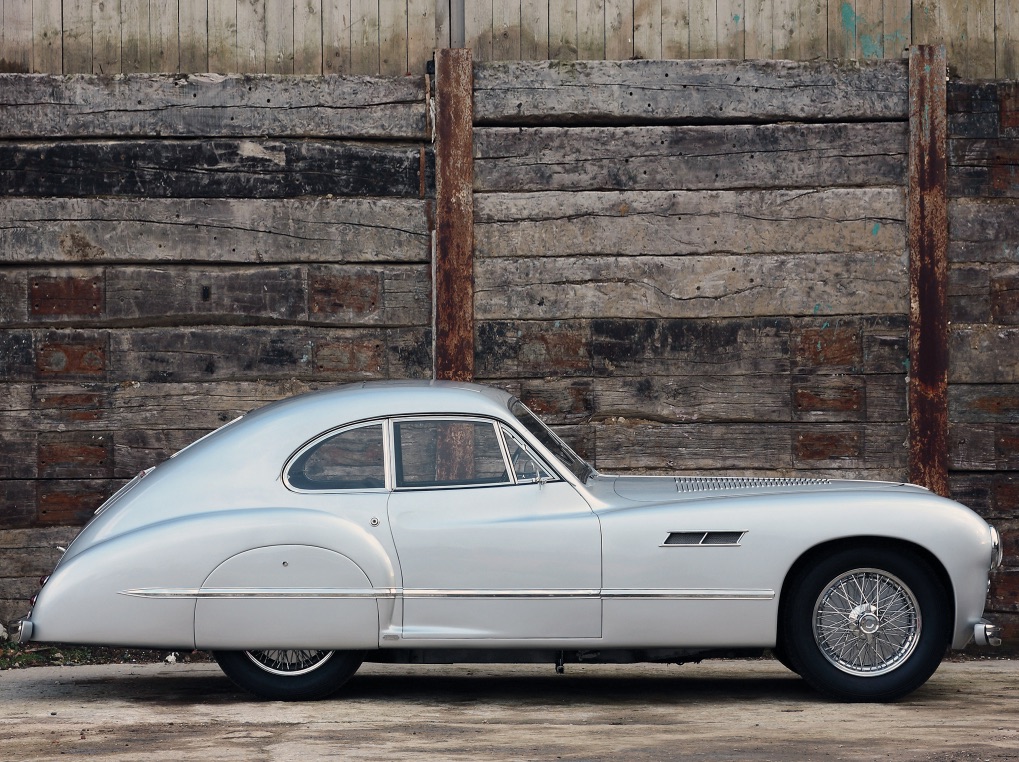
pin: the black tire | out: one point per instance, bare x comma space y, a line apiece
866, 624
289, 674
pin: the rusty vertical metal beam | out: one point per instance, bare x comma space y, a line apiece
453, 258
928, 269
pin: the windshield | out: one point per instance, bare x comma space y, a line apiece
577, 465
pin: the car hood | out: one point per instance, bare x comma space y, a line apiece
654, 489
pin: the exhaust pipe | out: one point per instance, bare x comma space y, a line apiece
986, 634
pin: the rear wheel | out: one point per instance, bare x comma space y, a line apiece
288, 674
867, 624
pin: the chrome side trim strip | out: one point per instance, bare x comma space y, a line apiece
392, 592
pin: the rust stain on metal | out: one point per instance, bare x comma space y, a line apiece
846, 399
454, 212
66, 296
928, 269
67, 359
813, 445
356, 296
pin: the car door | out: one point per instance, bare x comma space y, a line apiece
488, 550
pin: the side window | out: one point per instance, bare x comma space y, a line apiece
438, 453
352, 459
526, 466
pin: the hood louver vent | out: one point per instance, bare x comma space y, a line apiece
710, 483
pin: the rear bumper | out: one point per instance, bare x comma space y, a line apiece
21, 630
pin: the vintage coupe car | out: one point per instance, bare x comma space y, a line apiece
438, 522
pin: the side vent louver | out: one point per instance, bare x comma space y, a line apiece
704, 538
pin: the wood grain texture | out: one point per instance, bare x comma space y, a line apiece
671, 223
308, 33
215, 168
983, 230
983, 354
709, 157
109, 231
144, 105
691, 286
77, 37
326, 294
47, 36
783, 446
594, 92
193, 36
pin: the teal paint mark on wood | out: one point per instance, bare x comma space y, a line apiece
876, 229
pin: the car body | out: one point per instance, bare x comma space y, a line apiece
435, 521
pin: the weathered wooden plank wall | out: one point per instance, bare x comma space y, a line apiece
983, 252
720, 288
175, 251
393, 37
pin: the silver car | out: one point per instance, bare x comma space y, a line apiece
438, 522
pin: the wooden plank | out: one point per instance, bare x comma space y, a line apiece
251, 36
453, 259
703, 29
478, 28
898, 27
760, 16
669, 91
336, 37
335, 107
106, 50
591, 29
983, 403
212, 169
870, 41
308, 36
731, 22
134, 36
222, 25
982, 231
619, 30
660, 158
47, 37
821, 447
17, 509
1006, 24
984, 354
984, 447
645, 348
813, 29
675, 29
364, 37
393, 19
842, 29
16, 37
108, 231
979, 56
690, 286
647, 29
267, 354
534, 30
32, 552
675, 223
193, 30
969, 294
562, 30
784, 29
994, 496
77, 36
928, 270
325, 294
166, 25
506, 30
280, 35
422, 34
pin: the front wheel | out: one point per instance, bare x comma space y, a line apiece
867, 624
284, 674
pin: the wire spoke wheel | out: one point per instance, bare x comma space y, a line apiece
289, 662
866, 622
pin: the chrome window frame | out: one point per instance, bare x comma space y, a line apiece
328, 434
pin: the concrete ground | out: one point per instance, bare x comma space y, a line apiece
721, 710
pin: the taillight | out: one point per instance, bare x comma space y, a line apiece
43, 579
31, 601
